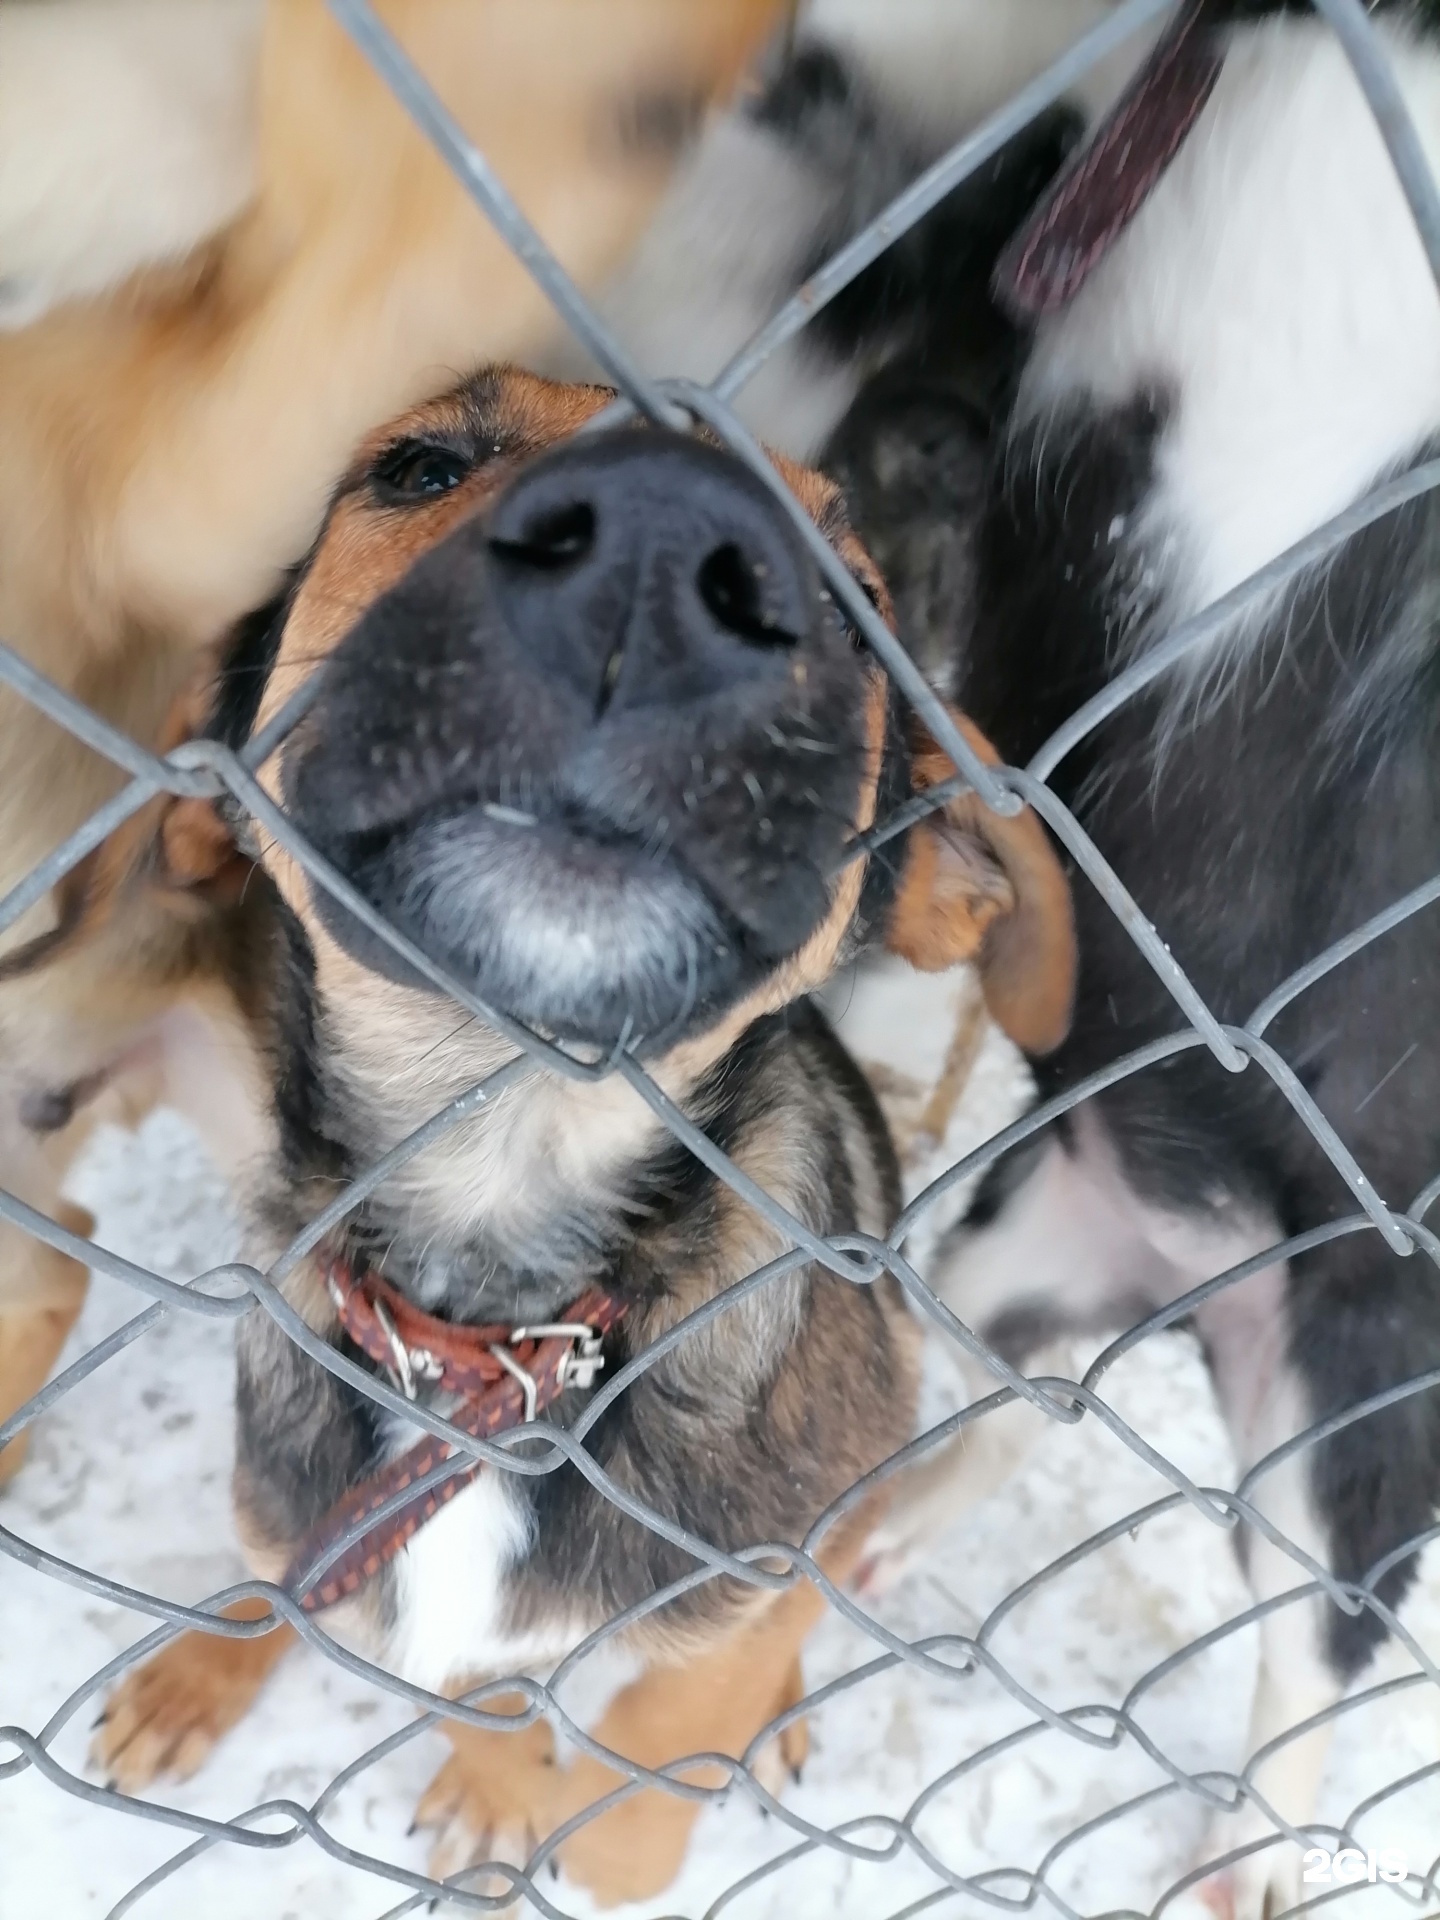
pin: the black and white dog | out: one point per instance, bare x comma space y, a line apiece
1256, 352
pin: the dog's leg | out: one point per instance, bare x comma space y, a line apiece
1351, 1324
716, 1704
783, 1760
495, 1798
41, 1290
1297, 1680
166, 1716
195, 1057
41, 1294
1246, 1330
501, 1793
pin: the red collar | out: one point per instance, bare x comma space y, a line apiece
1096, 196
504, 1375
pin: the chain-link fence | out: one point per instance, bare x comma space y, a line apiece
202, 768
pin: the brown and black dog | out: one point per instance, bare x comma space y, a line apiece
241, 254
594, 735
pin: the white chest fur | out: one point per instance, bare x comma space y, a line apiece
450, 1578
451, 1630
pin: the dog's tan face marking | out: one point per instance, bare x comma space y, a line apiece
400, 498
387, 512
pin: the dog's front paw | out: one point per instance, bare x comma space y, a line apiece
165, 1717
491, 1801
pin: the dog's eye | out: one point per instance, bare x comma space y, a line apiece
419, 470
858, 638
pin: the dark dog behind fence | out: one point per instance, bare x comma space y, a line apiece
205, 769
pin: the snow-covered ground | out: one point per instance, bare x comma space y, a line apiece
129, 1476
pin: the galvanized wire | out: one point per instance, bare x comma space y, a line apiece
227, 1291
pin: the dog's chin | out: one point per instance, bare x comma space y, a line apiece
585, 940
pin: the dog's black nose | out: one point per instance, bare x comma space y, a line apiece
643, 568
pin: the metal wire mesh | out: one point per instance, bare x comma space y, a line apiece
203, 768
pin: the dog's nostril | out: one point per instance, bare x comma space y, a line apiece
555, 540
733, 589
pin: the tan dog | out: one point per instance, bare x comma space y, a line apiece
594, 735
169, 442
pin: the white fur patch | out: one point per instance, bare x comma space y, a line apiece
568, 921
1275, 285
888, 1013
127, 136
1296, 1681
523, 1159
950, 63
449, 1584
720, 257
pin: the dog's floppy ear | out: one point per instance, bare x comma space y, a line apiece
175, 847
977, 886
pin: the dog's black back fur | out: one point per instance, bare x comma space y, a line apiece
1270, 822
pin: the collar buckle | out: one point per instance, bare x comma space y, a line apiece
586, 1357
410, 1363
526, 1379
